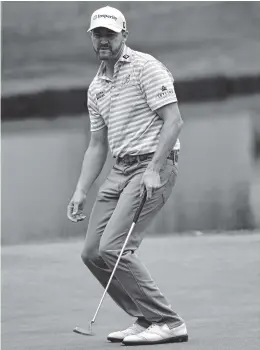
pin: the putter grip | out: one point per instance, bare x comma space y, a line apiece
139, 209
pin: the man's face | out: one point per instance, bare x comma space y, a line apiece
106, 43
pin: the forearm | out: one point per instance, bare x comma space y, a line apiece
168, 137
94, 160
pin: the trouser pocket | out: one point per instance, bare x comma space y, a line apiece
170, 182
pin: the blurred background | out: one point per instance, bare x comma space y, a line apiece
213, 51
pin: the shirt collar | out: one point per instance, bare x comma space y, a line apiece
101, 72
125, 58
126, 55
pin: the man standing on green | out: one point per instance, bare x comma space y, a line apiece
133, 108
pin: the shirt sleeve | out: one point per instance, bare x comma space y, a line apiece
157, 84
96, 120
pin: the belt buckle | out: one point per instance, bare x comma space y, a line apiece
127, 159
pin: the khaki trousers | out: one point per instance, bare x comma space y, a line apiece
132, 287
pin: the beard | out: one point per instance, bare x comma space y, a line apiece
105, 52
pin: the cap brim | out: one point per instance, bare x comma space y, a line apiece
108, 26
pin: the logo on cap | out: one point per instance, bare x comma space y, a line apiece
126, 57
95, 17
108, 16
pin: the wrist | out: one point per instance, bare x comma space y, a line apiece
80, 189
155, 168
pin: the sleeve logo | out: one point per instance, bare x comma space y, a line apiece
99, 95
165, 92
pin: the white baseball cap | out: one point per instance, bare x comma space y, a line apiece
108, 17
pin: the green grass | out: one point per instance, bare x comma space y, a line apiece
212, 281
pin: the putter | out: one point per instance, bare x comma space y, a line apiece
88, 331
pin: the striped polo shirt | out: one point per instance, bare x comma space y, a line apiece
127, 104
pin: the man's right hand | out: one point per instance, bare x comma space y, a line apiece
76, 206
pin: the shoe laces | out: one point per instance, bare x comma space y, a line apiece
150, 327
134, 327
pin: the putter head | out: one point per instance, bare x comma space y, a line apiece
83, 331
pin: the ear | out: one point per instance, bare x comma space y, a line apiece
125, 35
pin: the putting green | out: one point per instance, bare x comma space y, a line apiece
211, 280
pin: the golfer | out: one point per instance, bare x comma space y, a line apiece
133, 109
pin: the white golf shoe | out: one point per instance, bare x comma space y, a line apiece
158, 334
117, 337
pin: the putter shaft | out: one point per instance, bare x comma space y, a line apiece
80, 330
113, 272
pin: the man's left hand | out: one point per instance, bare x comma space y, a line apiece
151, 181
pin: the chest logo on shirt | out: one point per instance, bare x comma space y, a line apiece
100, 94
165, 92
126, 80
